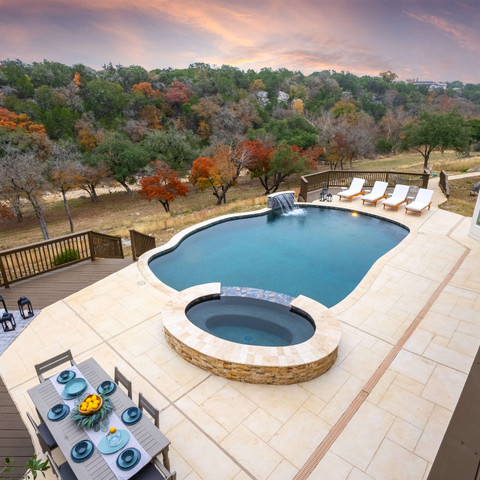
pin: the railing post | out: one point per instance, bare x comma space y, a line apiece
91, 245
4, 274
132, 242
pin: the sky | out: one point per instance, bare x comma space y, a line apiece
435, 40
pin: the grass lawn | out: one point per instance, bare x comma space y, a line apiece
116, 211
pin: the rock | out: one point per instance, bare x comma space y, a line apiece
474, 169
283, 97
262, 97
475, 189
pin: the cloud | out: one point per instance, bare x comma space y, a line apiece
466, 37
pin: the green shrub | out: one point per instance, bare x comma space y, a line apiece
68, 255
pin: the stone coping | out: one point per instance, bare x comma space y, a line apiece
250, 363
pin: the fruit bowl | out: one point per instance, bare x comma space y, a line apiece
92, 404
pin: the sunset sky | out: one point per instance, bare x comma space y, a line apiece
429, 39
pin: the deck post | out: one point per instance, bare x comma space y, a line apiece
4, 274
91, 245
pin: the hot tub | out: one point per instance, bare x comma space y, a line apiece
251, 321
244, 362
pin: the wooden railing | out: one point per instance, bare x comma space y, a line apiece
141, 243
31, 260
444, 184
343, 178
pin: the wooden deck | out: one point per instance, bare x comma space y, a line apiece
15, 441
51, 287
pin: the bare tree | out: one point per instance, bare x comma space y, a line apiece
22, 173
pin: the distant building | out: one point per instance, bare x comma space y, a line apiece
428, 83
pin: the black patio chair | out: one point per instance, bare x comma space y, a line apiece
53, 362
63, 471
120, 378
155, 470
47, 442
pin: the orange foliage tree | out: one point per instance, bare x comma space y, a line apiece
165, 185
146, 89
12, 121
220, 172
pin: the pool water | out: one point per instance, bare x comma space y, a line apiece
323, 253
250, 321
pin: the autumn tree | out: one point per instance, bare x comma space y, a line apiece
221, 172
388, 76
177, 93
164, 185
259, 163
145, 88
436, 131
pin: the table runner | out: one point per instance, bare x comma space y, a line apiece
114, 421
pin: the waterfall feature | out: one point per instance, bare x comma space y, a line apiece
285, 201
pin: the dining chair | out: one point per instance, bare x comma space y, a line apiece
53, 362
47, 442
154, 470
63, 471
144, 404
119, 377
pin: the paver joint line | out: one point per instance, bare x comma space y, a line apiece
337, 429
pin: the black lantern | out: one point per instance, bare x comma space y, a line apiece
25, 303
3, 302
8, 317
323, 194
329, 197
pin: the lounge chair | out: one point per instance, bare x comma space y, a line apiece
398, 197
377, 193
422, 201
356, 188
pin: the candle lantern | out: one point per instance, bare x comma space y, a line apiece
25, 307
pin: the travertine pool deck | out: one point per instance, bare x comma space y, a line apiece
410, 331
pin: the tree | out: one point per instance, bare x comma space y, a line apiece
65, 171
388, 76
23, 149
436, 131
178, 93
287, 160
221, 172
177, 149
165, 185
123, 157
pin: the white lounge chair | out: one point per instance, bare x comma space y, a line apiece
422, 201
398, 197
378, 192
355, 188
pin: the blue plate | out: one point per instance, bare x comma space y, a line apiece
66, 376
81, 451
131, 415
113, 443
58, 412
106, 388
75, 387
128, 458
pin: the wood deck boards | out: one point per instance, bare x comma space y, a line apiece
54, 286
15, 441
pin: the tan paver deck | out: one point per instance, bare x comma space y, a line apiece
410, 332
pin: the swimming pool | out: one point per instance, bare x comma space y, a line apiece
323, 253
251, 321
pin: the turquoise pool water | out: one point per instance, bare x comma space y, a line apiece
322, 254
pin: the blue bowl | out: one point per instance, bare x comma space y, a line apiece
66, 376
82, 450
106, 388
131, 415
128, 458
58, 412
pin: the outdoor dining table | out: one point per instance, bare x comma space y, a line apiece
67, 433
